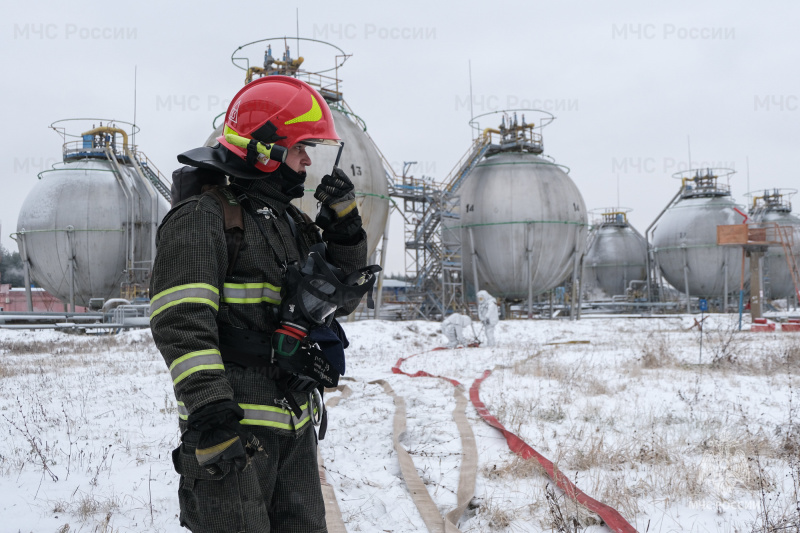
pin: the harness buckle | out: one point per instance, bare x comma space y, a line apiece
266, 211
283, 403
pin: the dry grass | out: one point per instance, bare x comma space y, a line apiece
98, 344
518, 468
656, 351
595, 453
498, 516
615, 492
565, 515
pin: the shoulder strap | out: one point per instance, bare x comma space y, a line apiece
232, 221
296, 216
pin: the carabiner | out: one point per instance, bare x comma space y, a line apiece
315, 401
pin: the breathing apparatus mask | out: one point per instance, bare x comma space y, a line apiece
309, 342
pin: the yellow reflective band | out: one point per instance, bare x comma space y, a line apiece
251, 286
207, 453
187, 286
197, 369
275, 417
346, 210
251, 300
228, 130
183, 413
312, 115
251, 293
186, 301
194, 362
188, 293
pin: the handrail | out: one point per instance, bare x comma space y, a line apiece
154, 175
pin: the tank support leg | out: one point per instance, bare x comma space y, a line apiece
725, 298
686, 283
71, 255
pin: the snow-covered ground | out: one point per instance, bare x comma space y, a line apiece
634, 415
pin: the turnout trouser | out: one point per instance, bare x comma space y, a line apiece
278, 492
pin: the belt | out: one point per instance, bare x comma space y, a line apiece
253, 349
245, 347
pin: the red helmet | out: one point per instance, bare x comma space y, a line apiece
280, 110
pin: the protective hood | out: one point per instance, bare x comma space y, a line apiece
221, 159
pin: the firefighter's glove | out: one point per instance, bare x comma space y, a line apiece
337, 192
338, 215
222, 439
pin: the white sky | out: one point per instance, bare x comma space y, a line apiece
628, 82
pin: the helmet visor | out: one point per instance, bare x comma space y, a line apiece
325, 142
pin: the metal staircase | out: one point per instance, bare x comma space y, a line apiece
436, 262
153, 175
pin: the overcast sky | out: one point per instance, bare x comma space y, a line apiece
629, 82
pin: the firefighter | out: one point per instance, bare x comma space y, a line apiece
453, 328
487, 313
247, 458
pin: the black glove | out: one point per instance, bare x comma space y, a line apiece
222, 438
338, 216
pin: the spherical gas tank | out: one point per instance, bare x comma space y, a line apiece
527, 220
685, 246
79, 210
617, 256
778, 282
361, 162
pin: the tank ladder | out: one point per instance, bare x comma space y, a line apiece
153, 175
787, 238
467, 162
438, 286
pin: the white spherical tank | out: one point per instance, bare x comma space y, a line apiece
527, 220
617, 256
779, 281
685, 241
361, 162
87, 229
773, 207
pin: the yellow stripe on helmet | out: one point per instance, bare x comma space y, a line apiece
312, 115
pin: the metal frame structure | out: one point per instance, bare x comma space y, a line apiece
754, 239
435, 260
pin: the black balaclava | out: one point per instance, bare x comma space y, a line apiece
291, 182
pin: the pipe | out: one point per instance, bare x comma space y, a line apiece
151, 190
487, 131
109, 129
26, 270
573, 315
741, 291
529, 229
384, 249
686, 279
474, 261
129, 197
580, 288
647, 241
71, 256
725, 298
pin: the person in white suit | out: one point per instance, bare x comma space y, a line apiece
487, 313
453, 328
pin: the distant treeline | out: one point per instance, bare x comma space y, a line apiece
11, 268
